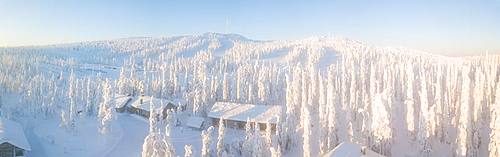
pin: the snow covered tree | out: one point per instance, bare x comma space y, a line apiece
410, 111
65, 121
167, 142
464, 138
106, 110
225, 88
220, 140
276, 152
262, 88
153, 145
246, 147
206, 138
424, 123
258, 144
380, 125
122, 82
494, 145
72, 103
269, 135
306, 119
188, 151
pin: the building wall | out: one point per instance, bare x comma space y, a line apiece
139, 112
9, 150
241, 124
144, 113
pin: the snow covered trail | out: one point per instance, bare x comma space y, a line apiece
134, 132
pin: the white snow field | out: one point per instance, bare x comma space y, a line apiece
329, 90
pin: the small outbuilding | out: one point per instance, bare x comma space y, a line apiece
13, 142
347, 149
235, 115
142, 106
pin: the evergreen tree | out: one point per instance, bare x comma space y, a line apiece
106, 109
463, 139
220, 139
206, 136
494, 145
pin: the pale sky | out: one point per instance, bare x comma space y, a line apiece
468, 27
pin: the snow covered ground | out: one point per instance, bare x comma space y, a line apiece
85, 140
126, 139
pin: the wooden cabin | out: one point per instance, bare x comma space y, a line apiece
235, 115
142, 106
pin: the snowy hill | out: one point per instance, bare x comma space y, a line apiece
322, 50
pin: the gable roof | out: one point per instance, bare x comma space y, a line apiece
13, 133
157, 103
242, 112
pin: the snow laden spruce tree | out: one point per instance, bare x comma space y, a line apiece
106, 112
149, 147
494, 145
206, 141
258, 144
68, 119
221, 152
464, 137
246, 147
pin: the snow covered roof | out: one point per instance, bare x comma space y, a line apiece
346, 149
13, 133
242, 112
121, 100
195, 122
146, 100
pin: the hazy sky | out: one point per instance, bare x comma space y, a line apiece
446, 27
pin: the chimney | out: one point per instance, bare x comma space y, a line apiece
140, 99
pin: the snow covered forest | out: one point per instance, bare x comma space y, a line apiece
395, 101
